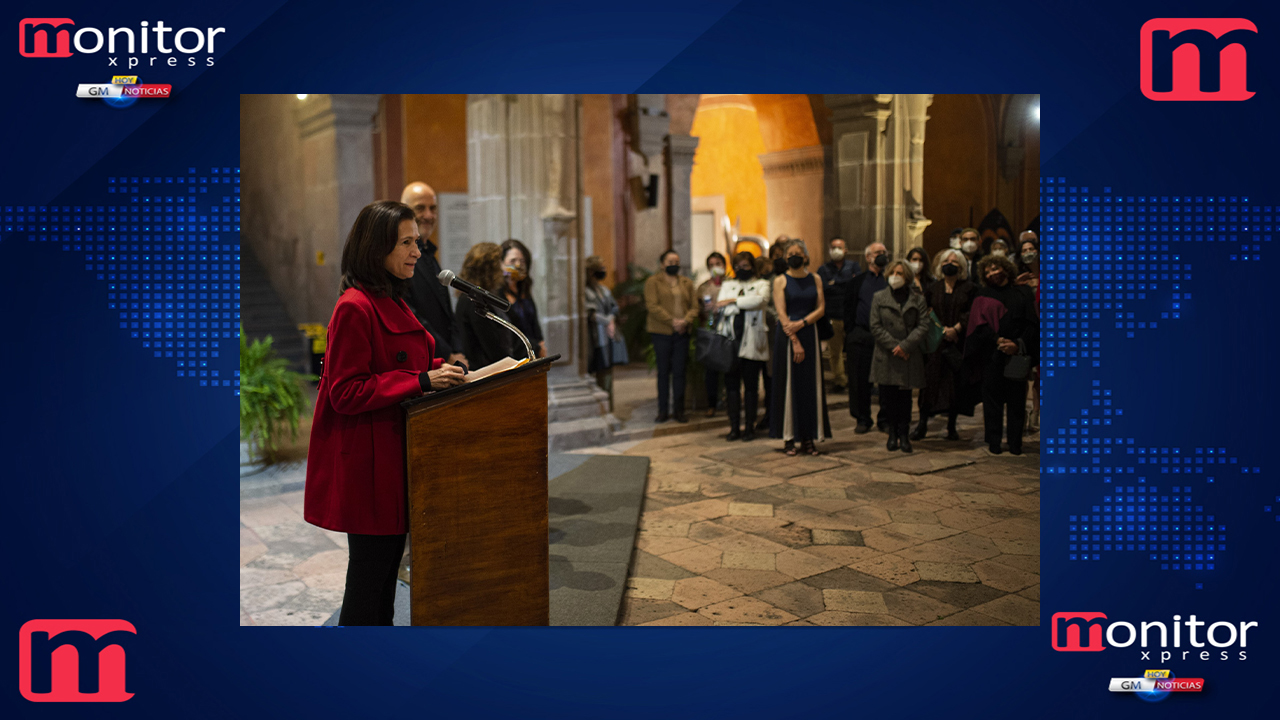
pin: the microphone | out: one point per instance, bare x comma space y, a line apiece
478, 294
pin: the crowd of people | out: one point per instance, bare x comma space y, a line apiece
960, 329
955, 330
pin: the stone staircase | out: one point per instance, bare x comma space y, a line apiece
577, 412
262, 313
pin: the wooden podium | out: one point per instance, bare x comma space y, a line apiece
477, 472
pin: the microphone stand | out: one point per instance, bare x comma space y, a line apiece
484, 309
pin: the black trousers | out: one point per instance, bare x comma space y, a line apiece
711, 379
1000, 394
895, 406
858, 368
672, 352
746, 374
370, 597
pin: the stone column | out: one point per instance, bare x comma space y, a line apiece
793, 182
879, 167
858, 126
337, 168
561, 312
679, 156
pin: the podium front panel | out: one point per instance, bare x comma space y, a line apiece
477, 469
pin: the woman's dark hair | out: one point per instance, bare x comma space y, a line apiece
713, 256
1017, 257
926, 272
663, 257
1010, 271
524, 286
744, 257
372, 238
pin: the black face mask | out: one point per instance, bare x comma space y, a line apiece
600, 274
779, 266
796, 262
950, 269
672, 270
882, 260
744, 273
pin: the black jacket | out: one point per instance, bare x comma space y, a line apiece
854, 333
430, 301
482, 340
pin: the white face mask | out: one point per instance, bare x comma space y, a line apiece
969, 246
955, 241
717, 271
915, 266
837, 253
998, 252
896, 281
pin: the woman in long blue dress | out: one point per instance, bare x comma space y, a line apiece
799, 403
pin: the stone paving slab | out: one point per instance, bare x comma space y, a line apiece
742, 534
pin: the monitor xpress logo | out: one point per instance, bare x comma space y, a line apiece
1084, 632
126, 47
74, 660
1196, 58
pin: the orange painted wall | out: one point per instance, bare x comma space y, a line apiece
435, 141
727, 160
786, 121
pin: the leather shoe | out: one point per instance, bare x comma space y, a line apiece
993, 450
662, 417
681, 417
892, 443
862, 429
733, 435
749, 435
904, 440
1015, 450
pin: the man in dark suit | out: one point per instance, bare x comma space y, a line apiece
428, 298
859, 343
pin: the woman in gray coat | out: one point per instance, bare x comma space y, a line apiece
899, 324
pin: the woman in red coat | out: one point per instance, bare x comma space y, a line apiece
378, 356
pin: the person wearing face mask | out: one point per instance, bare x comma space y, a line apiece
707, 293
743, 299
672, 314
1029, 275
918, 261
836, 275
799, 400
859, 342
517, 263
954, 242
1016, 331
972, 249
899, 324
999, 247
950, 297
607, 349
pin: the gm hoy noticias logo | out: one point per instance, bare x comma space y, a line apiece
74, 660
1196, 58
1085, 632
144, 45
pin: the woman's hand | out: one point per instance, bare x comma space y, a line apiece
791, 327
950, 334
899, 353
447, 376
1007, 346
797, 351
612, 330
723, 303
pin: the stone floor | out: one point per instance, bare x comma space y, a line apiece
735, 533
291, 573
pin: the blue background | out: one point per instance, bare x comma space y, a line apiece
119, 474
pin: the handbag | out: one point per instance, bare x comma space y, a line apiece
933, 339
715, 351
1018, 367
825, 330
618, 350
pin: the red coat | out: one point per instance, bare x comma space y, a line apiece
356, 463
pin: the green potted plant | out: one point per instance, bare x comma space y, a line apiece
271, 398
